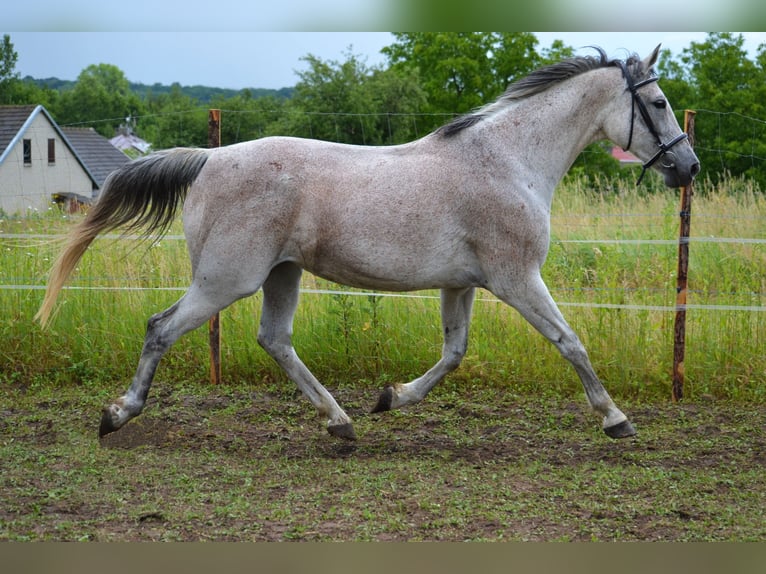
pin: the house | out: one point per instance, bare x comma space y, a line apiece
130, 143
41, 163
624, 157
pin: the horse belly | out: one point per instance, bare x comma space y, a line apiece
369, 279
386, 266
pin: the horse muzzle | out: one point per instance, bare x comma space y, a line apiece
679, 169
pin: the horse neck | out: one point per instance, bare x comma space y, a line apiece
552, 128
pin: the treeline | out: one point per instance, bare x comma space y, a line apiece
428, 78
202, 94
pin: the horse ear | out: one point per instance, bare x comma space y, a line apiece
651, 59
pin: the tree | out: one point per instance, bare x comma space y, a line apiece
727, 81
13, 90
173, 119
397, 98
350, 102
101, 97
328, 101
557, 52
9, 78
675, 82
245, 117
461, 71
717, 75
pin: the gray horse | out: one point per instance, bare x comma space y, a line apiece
466, 206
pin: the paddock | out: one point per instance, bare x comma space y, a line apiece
246, 463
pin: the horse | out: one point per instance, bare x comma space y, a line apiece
466, 206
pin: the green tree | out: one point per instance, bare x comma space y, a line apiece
16, 91
173, 119
101, 98
244, 117
716, 77
327, 100
398, 99
350, 102
461, 71
9, 77
675, 82
558, 51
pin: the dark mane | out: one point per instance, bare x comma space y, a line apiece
541, 80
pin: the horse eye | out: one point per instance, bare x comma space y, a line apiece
660, 104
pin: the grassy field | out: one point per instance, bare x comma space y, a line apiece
504, 449
608, 267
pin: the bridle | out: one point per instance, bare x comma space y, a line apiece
637, 101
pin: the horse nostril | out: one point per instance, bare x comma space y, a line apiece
695, 169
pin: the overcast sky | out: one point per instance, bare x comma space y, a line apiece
262, 59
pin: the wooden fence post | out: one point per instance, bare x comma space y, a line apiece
679, 339
214, 325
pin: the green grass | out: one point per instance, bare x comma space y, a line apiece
352, 339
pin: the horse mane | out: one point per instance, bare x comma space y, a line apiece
541, 80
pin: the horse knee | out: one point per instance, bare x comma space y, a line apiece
573, 350
275, 346
265, 340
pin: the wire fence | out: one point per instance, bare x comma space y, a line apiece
27, 241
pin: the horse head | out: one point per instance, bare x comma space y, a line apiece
645, 124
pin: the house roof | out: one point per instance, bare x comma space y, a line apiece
14, 121
125, 140
624, 156
101, 157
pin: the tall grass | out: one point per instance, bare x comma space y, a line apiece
352, 337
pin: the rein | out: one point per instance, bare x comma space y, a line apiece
637, 101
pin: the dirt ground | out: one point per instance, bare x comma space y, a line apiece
243, 464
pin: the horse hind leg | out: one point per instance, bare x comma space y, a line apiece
163, 329
280, 300
536, 305
456, 306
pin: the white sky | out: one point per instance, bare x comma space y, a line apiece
263, 59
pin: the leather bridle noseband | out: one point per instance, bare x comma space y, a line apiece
637, 101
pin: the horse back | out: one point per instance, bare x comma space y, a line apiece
397, 218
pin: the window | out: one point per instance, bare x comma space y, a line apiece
51, 151
27, 152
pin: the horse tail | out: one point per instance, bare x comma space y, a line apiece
143, 194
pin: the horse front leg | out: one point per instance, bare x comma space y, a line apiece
456, 305
531, 298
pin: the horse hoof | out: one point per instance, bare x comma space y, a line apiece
385, 401
107, 424
344, 431
621, 430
